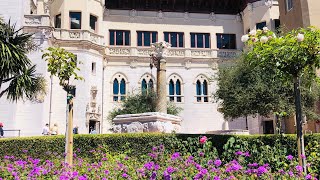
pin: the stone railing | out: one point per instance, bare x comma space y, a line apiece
228, 54
36, 20
78, 35
173, 52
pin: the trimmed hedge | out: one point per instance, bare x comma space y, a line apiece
134, 144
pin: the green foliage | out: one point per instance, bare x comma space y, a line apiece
247, 89
62, 64
141, 102
16, 68
294, 53
269, 149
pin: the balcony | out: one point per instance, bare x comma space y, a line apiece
34, 21
78, 35
173, 53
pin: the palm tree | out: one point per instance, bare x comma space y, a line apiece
18, 77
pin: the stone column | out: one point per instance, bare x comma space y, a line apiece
161, 105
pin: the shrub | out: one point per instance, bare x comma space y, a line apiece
194, 158
141, 102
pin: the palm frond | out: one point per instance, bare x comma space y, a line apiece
27, 85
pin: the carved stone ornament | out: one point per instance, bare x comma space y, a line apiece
133, 13
160, 15
214, 65
186, 16
238, 18
133, 63
213, 17
107, 12
187, 64
119, 51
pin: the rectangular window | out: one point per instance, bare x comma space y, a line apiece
93, 68
226, 41
146, 38
277, 25
289, 5
176, 39
57, 21
261, 25
75, 20
200, 40
93, 22
119, 38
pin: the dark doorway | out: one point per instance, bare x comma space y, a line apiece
268, 127
94, 127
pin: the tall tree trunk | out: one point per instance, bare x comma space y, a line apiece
300, 139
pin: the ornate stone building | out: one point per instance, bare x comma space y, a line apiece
112, 39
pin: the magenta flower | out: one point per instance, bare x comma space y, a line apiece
217, 162
290, 157
308, 177
299, 168
124, 175
175, 156
203, 139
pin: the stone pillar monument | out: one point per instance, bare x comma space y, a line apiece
158, 121
159, 61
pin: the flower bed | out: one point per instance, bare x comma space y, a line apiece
198, 159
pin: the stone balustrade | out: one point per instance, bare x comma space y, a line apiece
36, 20
173, 52
78, 35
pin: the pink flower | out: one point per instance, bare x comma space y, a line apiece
203, 139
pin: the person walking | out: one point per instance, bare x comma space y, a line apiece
1, 130
54, 129
46, 130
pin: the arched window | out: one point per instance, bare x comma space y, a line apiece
199, 92
178, 90
115, 90
202, 94
171, 90
146, 83
175, 89
119, 88
122, 89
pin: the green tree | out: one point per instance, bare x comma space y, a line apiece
293, 55
246, 90
63, 64
16, 70
141, 103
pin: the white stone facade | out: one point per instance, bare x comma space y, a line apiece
94, 96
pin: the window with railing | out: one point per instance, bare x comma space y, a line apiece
200, 40
119, 38
146, 38
176, 39
226, 41
75, 20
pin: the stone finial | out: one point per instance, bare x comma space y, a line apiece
213, 17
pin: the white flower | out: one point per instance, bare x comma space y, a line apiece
245, 38
253, 32
300, 37
265, 29
264, 39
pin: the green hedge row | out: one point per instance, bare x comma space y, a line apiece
134, 144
